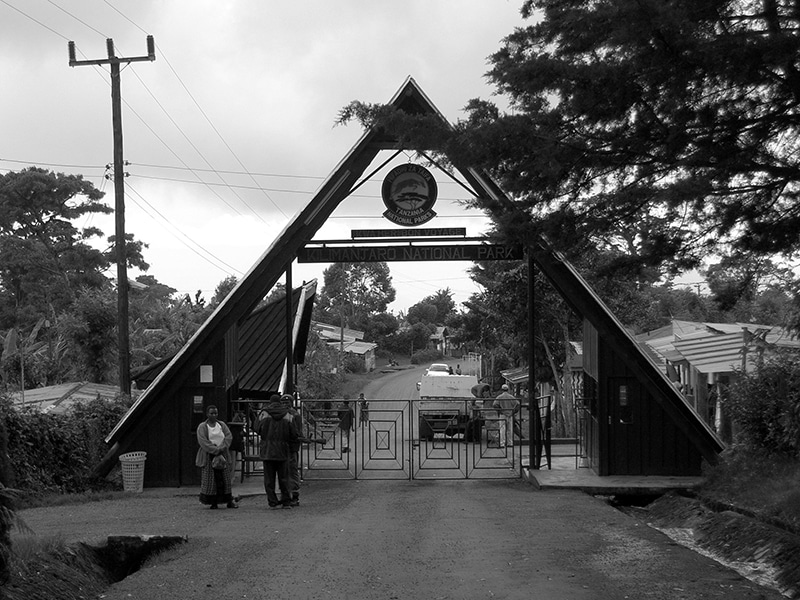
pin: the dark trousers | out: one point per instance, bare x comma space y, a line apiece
276, 470
294, 474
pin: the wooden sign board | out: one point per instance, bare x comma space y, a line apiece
354, 254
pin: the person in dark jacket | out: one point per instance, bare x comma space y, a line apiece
278, 434
346, 423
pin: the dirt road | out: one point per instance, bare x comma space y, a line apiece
386, 540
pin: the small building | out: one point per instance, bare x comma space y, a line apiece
439, 340
247, 360
350, 342
700, 357
59, 399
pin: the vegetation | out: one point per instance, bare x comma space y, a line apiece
765, 406
56, 453
764, 485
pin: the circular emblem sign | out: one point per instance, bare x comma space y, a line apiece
409, 192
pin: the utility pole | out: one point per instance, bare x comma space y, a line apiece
119, 196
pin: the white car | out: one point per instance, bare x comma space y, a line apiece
438, 369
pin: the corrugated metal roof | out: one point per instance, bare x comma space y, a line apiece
355, 346
58, 399
724, 352
515, 376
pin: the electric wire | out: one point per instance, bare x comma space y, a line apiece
154, 98
192, 245
27, 16
82, 22
199, 152
200, 109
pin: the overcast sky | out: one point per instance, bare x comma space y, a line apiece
232, 129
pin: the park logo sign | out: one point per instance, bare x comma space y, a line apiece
409, 192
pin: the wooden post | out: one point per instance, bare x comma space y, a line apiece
123, 339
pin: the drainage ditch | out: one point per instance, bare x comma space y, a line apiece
83, 571
763, 553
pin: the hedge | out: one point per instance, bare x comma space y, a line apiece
56, 453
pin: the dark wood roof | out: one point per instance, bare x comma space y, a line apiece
262, 345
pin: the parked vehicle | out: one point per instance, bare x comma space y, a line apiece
444, 401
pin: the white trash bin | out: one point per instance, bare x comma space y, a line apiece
133, 471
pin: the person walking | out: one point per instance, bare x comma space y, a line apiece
215, 461
506, 406
277, 434
346, 424
363, 406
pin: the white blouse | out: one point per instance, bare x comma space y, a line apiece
215, 434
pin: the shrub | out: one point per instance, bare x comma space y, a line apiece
353, 364
426, 356
765, 405
56, 453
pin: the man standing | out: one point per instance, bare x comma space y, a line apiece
506, 406
277, 435
363, 408
346, 424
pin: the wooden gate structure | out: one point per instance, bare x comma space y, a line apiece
635, 409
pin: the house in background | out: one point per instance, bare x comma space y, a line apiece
701, 357
58, 399
349, 341
439, 340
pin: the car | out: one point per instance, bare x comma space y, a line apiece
438, 369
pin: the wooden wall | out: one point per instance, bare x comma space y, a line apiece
641, 438
169, 437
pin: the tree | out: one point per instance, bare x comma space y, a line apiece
44, 258
680, 114
90, 327
224, 288
443, 306
353, 292
422, 312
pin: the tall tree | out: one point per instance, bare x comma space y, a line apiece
681, 112
44, 258
353, 292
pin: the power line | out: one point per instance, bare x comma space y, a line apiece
192, 245
65, 11
27, 16
196, 149
205, 116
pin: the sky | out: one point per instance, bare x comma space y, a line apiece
232, 129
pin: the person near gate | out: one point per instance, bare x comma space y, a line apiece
215, 460
346, 423
363, 406
277, 434
294, 450
506, 406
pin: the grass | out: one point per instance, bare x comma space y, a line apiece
48, 568
39, 500
766, 486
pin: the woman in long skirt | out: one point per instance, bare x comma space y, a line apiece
214, 438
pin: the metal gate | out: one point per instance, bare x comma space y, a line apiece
404, 439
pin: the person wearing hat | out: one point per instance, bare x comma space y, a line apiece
278, 435
506, 406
